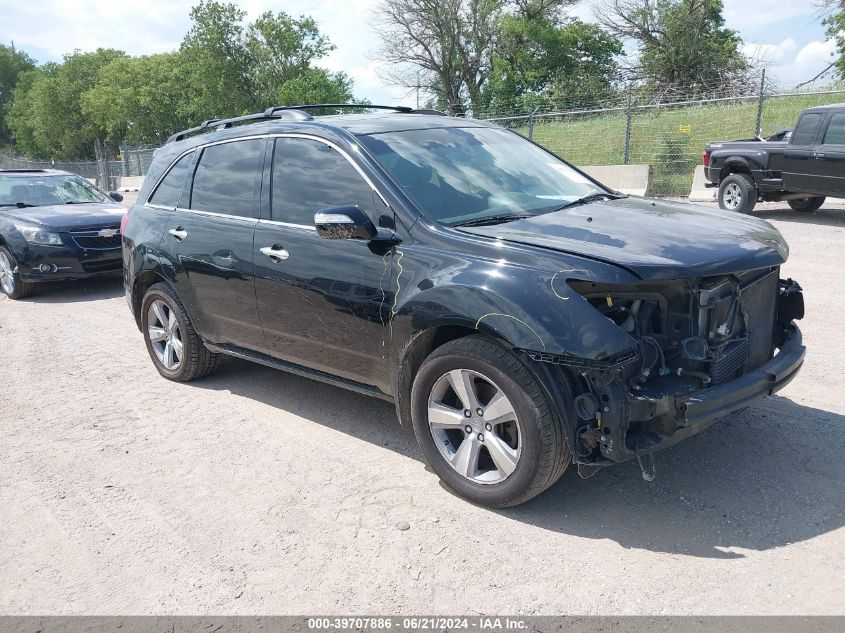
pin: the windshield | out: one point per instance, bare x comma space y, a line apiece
43, 190
459, 175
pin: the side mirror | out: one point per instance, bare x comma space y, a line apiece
117, 197
344, 223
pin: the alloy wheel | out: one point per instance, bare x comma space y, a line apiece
732, 196
474, 426
7, 275
164, 334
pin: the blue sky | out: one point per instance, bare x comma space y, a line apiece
787, 33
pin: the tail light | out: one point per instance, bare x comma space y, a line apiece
705, 157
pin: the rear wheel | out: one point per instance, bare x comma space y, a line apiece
807, 204
485, 425
737, 192
11, 283
174, 346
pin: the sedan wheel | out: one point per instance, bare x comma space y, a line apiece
474, 426
11, 283
165, 335
7, 276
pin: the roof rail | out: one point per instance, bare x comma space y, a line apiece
296, 113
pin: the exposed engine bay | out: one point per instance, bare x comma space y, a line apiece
692, 335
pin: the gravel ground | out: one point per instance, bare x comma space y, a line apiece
254, 491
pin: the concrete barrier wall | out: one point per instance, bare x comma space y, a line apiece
635, 180
698, 192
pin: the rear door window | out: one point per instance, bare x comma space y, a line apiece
806, 129
168, 191
308, 176
835, 134
228, 178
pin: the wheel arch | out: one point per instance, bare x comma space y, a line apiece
735, 166
411, 358
142, 283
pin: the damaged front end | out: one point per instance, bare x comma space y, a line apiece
702, 348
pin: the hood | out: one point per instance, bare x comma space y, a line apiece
651, 238
69, 216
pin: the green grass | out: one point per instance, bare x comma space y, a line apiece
670, 138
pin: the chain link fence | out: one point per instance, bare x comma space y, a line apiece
105, 171
668, 133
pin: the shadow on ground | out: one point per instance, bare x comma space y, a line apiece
73, 291
822, 217
765, 478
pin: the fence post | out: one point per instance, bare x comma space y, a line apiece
531, 123
759, 128
629, 119
124, 161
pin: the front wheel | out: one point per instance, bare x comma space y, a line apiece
807, 205
11, 283
485, 425
737, 192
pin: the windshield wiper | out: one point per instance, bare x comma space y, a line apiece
495, 219
23, 205
599, 195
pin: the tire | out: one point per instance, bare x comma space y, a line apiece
737, 192
537, 453
11, 283
806, 205
195, 360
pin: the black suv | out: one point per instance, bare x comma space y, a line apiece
520, 315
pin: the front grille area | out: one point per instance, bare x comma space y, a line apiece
759, 298
92, 240
102, 265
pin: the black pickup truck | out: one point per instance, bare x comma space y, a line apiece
803, 171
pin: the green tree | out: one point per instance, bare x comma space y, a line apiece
233, 69
139, 99
12, 64
835, 22
46, 116
683, 44
546, 60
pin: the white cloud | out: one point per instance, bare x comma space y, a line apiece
790, 65
49, 29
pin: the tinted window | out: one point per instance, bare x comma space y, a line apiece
228, 178
309, 176
460, 174
167, 193
41, 190
803, 134
835, 134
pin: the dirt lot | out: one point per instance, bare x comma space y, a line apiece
254, 491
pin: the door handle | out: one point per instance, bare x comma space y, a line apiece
276, 253
179, 233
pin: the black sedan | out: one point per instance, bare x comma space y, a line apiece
55, 226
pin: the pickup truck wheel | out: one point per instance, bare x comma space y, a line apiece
737, 192
174, 346
484, 424
806, 204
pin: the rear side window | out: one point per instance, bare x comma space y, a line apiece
309, 176
168, 190
835, 134
228, 178
806, 130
